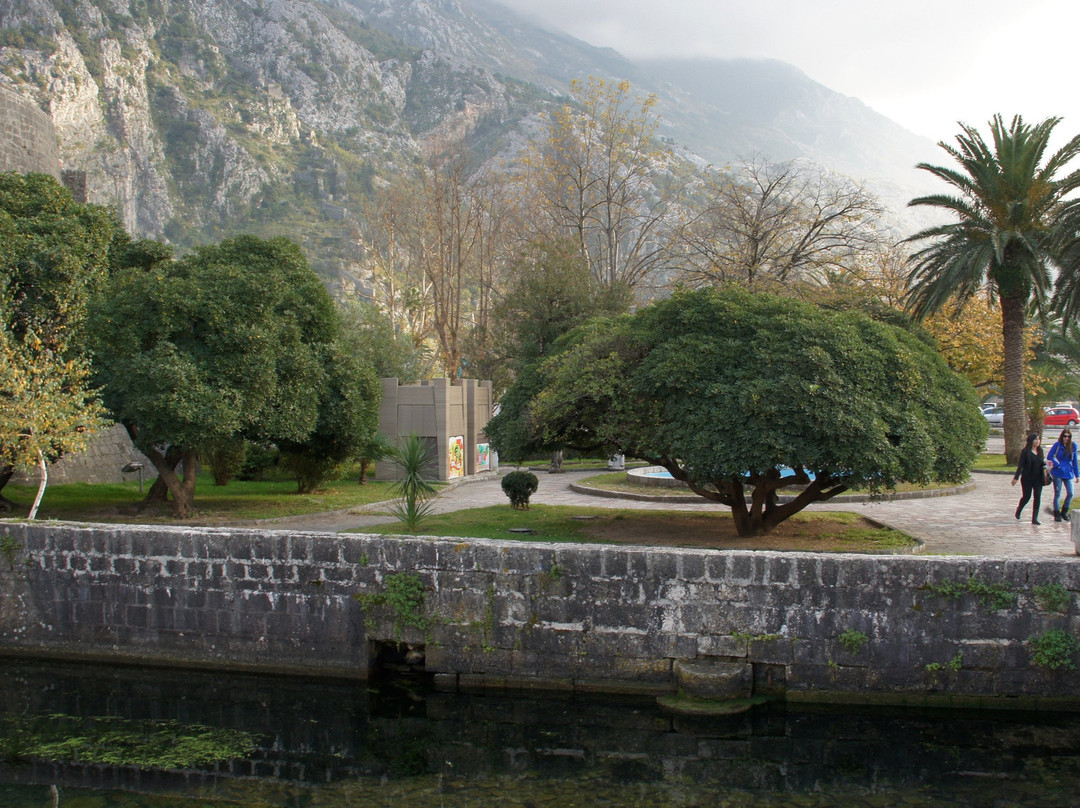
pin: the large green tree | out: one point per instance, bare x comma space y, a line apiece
54, 254
347, 422
726, 390
230, 341
1007, 201
551, 291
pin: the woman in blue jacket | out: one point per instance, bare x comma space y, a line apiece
1064, 472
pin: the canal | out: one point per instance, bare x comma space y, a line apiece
95, 736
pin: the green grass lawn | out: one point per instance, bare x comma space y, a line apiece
550, 523
617, 481
993, 462
563, 523
116, 502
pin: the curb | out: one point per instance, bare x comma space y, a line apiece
679, 499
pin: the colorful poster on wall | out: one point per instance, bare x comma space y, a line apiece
457, 457
483, 457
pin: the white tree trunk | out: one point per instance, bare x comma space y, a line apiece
42, 482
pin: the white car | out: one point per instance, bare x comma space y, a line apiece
995, 416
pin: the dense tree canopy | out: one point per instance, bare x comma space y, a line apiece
54, 253
233, 340
346, 424
551, 292
726, 389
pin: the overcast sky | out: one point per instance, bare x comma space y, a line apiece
924, 64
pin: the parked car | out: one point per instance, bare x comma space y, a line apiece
995, 416
1061, 416
988, 406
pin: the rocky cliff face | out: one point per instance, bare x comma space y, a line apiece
198, 118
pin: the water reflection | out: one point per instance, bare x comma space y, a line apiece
331, 743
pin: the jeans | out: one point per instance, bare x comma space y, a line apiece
1068, 483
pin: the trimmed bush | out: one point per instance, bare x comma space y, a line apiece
519, 486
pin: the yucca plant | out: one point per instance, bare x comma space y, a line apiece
414, 493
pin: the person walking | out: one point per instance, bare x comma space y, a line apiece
1064, 473
1029, 471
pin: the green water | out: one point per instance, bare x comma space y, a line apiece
312, 743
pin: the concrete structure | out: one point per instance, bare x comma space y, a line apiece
449, 416
800, 626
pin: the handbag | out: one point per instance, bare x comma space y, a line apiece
1047, 479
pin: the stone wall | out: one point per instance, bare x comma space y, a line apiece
900, 629
27, 138
106, 453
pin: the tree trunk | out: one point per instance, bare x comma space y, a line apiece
158, 494
6, 473
182, 491
43, 480
1014, 421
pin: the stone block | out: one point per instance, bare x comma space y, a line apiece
644, 670
713, 679
774, 650
724, 645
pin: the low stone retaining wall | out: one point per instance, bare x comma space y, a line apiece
637, 476
897, 629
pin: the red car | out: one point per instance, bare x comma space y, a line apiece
1061, 416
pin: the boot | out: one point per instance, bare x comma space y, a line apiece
1018, 512
1035, 520
1065, 514
1057, 516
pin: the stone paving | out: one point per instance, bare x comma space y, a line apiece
978, 522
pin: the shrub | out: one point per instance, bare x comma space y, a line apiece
225, 459
258, 459
310, 471
519, 486
1052, 597
1053, 649
853, 640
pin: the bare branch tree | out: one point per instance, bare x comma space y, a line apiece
601, 180
774, 223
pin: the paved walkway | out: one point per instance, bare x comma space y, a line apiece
979, 522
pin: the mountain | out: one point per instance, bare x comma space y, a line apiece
199, 119
727, 109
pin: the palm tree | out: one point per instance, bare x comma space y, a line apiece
1010, 226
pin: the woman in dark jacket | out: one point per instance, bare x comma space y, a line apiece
1030, 473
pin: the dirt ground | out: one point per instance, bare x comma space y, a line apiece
709, 531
